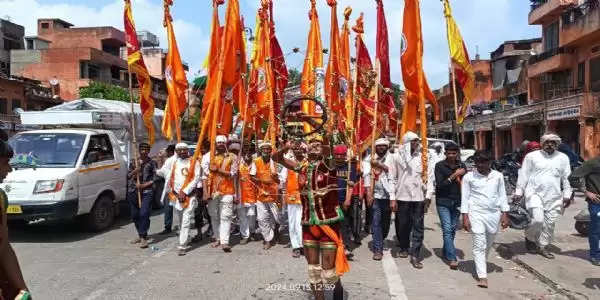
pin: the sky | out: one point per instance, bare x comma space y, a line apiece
484, 24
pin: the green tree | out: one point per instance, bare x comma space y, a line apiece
294, 77
106, 91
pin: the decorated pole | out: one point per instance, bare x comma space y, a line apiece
134, 139
375, 113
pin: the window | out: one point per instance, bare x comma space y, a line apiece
551, 37
581, 75
29, 44
595, 74
99, 149
45, 25
3, 106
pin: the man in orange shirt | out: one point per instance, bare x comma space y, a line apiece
264, 174
293, 201
247, 196
223, 171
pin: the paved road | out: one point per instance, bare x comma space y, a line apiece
62, 262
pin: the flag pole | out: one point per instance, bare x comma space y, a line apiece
456, 130
133, 132
374, 133
352, 139
245, 114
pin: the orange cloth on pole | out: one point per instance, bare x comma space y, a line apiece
348, 109
177, 83
136, 64
412, 67
292, 191
460, 62
267, 192
248, 189
333, 75
312, 61
222, 184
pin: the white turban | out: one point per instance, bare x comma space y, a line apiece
182, 146
382, 142
235, 146
409, 136
221, 139
550, 137
262, 144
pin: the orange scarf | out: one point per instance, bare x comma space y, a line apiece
172, 197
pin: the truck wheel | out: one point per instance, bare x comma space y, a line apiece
582, 227
102, 214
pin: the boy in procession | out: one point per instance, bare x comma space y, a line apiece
181, 195
140, 182
484, 207
544, 184
223, 173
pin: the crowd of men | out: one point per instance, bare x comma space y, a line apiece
254, 191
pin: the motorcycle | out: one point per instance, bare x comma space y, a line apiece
509, 167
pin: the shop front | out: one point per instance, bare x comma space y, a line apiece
503, 138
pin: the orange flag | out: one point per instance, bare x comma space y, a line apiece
177, 83
417, 89
136, 64
261, 78
461, 63
333, 75
348, 109
312, 61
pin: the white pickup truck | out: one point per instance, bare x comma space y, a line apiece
64, 173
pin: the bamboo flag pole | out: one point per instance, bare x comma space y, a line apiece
133, 132
455, 101
350, 116
374, 133
245, 114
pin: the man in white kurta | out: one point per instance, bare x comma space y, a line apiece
413, 198
175, 172
484, 206
544, 183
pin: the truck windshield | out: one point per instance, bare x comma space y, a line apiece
50, 150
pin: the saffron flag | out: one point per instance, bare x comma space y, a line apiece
312, 62
136, 64
417, 89
387, 107
262, 79
348, 99
177, 83
366, 79
333, 76
279, 68
460, 62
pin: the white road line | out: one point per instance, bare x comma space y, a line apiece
394, 281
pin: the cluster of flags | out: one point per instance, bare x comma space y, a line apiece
357, 93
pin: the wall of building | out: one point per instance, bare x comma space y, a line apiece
12, 95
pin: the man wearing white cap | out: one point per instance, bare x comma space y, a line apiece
180, 191
413, 197
544, 183
379, 195
223, 172
264, 174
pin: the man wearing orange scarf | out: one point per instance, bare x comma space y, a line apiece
321, 217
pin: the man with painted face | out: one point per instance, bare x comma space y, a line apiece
414, 196
544, 183
181, 191
484, 206
380, 178
140, 214
321, 216
223, 172
263, 172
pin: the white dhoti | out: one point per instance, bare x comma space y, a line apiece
222, 209
268, 215
541, 228
294, 212
247, 215
184, 217
484, 227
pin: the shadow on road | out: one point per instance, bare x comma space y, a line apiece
439, 252
592, 283
468, 266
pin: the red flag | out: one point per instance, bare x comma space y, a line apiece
136, 64
386, 107
279, 68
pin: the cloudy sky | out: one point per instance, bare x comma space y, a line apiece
484, 24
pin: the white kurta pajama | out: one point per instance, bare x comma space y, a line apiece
221, 208
484, 200
544, 181
183, 216
267, 213
294, 215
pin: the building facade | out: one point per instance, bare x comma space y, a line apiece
11, 37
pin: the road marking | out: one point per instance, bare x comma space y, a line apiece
394, 281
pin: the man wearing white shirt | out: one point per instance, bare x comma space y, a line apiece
379, 196
544, 183
180, 194
484, 206
413, 198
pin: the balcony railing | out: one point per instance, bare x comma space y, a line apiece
535, 4
548, 54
